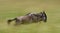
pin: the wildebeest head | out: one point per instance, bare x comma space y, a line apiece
44, 16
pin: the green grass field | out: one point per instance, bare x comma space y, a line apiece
14, 8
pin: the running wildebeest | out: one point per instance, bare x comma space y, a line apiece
29, 18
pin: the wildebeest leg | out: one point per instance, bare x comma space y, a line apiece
30, 21
18, 22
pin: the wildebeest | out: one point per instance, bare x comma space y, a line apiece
29, 18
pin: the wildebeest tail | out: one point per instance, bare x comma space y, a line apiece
10, 20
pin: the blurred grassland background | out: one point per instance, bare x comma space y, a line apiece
14, 8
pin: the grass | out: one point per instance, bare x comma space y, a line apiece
14, 8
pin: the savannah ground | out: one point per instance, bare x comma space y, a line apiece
14, 8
